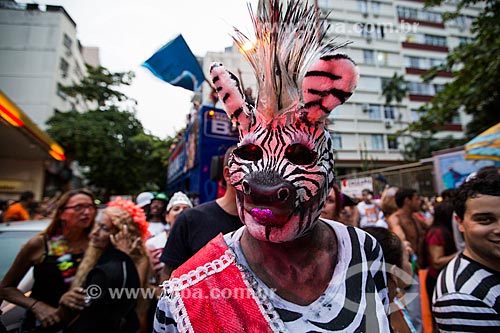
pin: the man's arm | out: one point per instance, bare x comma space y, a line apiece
395, 226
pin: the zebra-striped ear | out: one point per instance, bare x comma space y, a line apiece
328, 83
230, 93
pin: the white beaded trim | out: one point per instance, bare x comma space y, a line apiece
263, 302
200, 273
172, 288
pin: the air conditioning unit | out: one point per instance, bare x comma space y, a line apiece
365, 14
369, 38
389, 123
366, 107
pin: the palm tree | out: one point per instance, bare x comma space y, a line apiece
394, 89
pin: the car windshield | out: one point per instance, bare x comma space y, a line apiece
10, 244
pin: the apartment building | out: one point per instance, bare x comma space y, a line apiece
39, 53
387, 37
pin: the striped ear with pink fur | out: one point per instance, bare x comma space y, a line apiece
230, 93
328, 83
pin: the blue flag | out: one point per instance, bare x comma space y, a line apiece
176, 64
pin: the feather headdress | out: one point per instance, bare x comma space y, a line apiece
286, 42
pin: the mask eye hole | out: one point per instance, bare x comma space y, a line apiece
249, 152
300, 155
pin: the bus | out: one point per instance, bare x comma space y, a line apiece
195, 164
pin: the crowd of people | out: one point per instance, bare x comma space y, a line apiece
27, 208
428, 231
139, 244
282, 249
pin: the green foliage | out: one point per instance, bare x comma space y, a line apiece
100, 85
394, 89
420, 147
117, 156
475, 68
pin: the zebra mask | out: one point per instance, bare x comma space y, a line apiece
283, 167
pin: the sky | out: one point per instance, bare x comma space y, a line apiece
128, 32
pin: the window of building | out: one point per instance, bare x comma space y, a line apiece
434, 40
418, 88
337, 140
369, 83
377, 141
389, 112
429, 16
67, 42
379, 31
438, 87
376, 7
363, 6
392, 142
368, 57
413, 62
382, 58
385, 81
436, 62
78, 71
464, 40
411, 38
463, 21
64, 67
456, 119
407, 12
366, 30
374, 111
419, 15
415, 115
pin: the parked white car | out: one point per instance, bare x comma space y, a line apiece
13, 235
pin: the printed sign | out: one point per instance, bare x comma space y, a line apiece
353, 187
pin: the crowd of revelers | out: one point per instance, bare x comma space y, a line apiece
121, 248
283, 250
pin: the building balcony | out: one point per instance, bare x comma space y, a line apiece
425, 47
438, 25
420, 98
419, 71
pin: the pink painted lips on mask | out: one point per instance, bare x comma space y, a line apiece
265, 216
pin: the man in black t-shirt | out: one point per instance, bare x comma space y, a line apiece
195, 227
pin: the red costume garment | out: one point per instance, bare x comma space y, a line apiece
211, 284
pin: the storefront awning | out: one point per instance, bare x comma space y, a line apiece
21, 138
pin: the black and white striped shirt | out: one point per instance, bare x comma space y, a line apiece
467, 297
356, 299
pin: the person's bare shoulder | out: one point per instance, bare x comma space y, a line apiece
393, 219
33, 249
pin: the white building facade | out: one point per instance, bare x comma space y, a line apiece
387, 37
39, 53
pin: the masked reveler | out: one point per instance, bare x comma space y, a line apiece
285, 270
